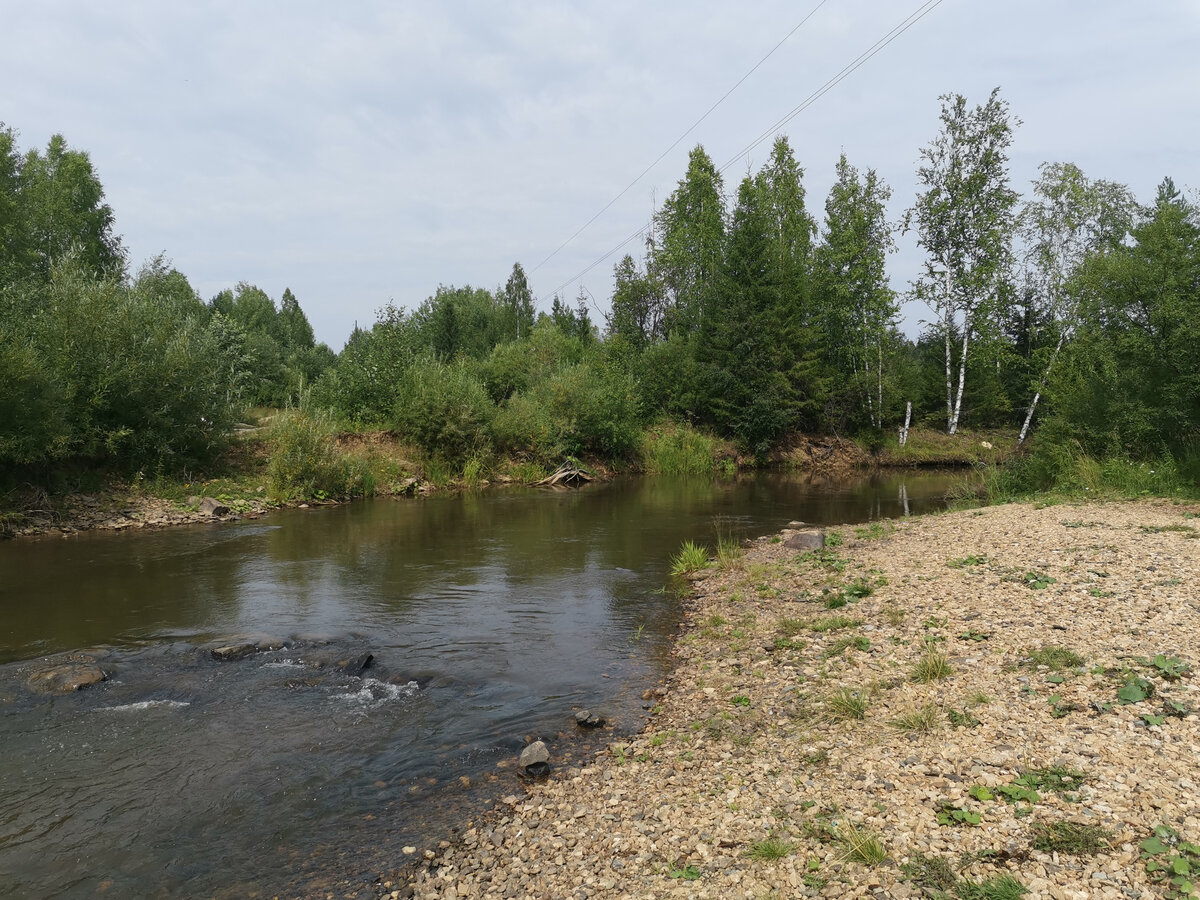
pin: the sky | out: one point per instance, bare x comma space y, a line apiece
368, 152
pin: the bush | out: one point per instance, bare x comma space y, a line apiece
588, 408
444, 408
678, 451
305, 463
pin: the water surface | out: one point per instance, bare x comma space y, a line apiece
490, 616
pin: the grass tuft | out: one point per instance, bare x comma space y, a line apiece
932, 666
1055, 658
861, 845
925, 720
770, 850
1070, 838
847, 704
691, 558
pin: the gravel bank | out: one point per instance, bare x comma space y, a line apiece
793, 735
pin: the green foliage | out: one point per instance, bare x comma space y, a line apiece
845, 703
1054, 658
948, 814
691, 558
444, 408
932, 666
305, 463
924, 720
1172, 861
1070, 838
861, 845
997, 887
679, 450
770, 849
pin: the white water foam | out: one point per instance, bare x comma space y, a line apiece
145, 704
374, 693
285, 664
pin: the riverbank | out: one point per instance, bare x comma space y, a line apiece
241, 483
945, 703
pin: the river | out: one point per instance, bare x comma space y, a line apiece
490, 618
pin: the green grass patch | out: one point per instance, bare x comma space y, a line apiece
932, 666
770, 849
833, 623
861, 845
1070, 838
678, 450
690, 559
1054, 658
842, 644
923, 720
845, 703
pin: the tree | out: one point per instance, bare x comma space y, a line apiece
517, 301
1131, 382
689, 244
14, 250
964, 220
63, 211
293, 323
858, 306
638, 306
1069, 219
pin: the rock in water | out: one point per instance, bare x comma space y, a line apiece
535, 759
354, 667
585, 718
809, 539
233, 651
66, 678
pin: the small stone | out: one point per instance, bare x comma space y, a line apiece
534, 753
213, 507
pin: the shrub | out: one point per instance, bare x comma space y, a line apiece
444, 409
678, 451
305, 462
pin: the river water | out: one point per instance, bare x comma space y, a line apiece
490, 617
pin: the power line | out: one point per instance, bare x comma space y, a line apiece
692, 128
927, 7
923, 10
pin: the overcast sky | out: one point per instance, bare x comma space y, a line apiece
370, 151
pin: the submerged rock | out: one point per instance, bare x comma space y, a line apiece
64, 679
231, 652
585, 718
354, 667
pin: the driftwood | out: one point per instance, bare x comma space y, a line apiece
566, 475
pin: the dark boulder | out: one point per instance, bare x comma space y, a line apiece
354, 667
585, 718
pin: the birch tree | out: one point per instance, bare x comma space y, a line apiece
1068, 219
964, 221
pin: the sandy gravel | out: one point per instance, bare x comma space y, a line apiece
749, 742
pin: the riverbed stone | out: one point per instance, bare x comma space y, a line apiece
355, 665
230, 652
210, 506
534, 753
746, 742
808, 539
585, 718
66, 678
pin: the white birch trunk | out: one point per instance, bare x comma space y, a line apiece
947, 321
907, 420
1037, 395
962, 377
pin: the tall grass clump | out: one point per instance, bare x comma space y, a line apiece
305, 463
680, 450
691, 558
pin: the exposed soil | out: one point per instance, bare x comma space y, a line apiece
781, 724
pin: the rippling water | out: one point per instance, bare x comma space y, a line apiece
490, 617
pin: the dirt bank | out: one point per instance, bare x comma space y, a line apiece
797, 752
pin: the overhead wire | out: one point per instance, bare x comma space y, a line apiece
679, 139
923, 10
